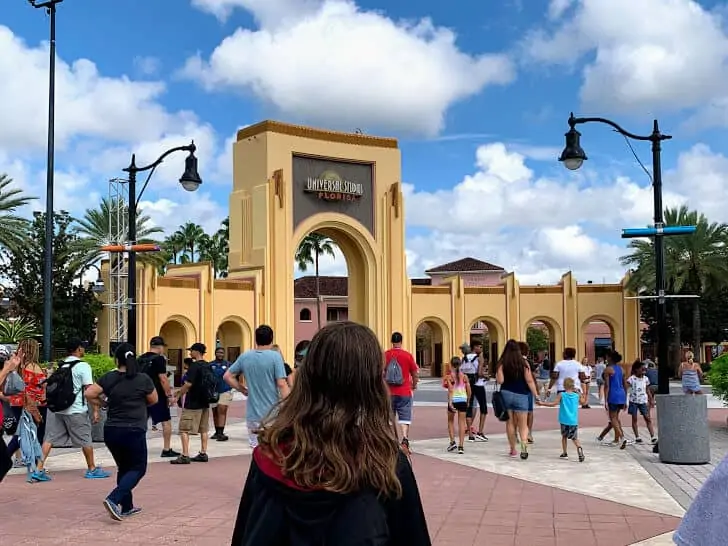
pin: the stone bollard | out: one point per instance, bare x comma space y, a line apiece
683, 431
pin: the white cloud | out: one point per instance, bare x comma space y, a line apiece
100, 122
542, 227
643, 56
268, 13
198, 207
400, 76
147, 66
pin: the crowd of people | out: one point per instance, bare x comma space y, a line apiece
330, 435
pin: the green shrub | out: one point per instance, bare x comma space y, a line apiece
100, 364
718, 377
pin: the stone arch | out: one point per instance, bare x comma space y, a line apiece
357, 245
556, 336
178, 333
439, 351
614, 332
233, 335
496, 335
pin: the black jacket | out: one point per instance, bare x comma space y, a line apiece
274, 512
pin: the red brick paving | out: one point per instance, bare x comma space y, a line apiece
196, 505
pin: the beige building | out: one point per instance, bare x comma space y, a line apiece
289, 181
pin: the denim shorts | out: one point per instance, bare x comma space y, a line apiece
402, 407
515, 401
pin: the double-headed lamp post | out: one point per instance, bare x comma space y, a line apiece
573, 158
190, 181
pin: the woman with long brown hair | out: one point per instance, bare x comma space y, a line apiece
33, 398
328, 468
513, 373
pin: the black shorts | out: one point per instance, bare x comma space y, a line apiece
477, 394
159, 412
570, 432
460, 407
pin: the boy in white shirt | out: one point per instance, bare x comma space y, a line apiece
569, 367
640, 401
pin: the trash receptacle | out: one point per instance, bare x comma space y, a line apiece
683, 431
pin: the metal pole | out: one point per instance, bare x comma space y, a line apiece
131, 328
49, 231
663, 368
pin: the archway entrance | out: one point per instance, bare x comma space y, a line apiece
490, 333
321, 283
291, 181
543, 341
430, 337
598, 337
175, 336
230, 336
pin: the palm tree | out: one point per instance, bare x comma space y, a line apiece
13, 228
93, 232
191, 234
311, 248
173, 246
214, 249
696, 264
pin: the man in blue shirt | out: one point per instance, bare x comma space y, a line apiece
219, 411
263, 380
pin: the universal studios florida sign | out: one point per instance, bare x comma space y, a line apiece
331, 187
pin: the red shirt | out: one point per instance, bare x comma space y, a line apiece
409, 368
33, 388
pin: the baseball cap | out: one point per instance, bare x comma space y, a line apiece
199, 347
157, 341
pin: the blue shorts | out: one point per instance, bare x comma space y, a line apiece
642, 409
402, 407
515, 401
159, 412
530, 403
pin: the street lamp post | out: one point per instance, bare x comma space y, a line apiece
683, 420
573, 157
50, 7
190, 181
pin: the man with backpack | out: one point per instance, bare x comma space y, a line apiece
65, 399
154, 364
400, 374
199, 391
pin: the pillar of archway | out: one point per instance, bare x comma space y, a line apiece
289, 181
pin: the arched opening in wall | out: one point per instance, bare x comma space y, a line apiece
598, 339
175, 336
542, 343
485, 330
429, 347
330, 281
230, 338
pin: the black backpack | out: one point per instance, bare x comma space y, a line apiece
60, 392
144, 365
208, 383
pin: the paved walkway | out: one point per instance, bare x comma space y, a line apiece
481, 497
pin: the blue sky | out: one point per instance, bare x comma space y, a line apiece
477, 92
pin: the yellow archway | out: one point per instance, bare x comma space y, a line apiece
233, 335
496, 335
436, 352
615, 333
357, 245
556, 336
178, 333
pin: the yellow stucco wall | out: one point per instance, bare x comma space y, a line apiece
189, 305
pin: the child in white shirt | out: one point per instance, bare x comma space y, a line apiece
640, 401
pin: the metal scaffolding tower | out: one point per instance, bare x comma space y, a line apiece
118, 271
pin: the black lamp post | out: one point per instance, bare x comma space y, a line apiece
573, 157
190, 181
50, 7
98, 286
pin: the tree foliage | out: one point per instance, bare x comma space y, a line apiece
75, 308
313, 246
537, 339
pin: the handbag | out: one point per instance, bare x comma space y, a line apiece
499, 406
14, 384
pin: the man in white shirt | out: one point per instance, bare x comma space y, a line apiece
568, 367
73, 424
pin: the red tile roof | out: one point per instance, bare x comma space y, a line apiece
465, 265
305, 287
